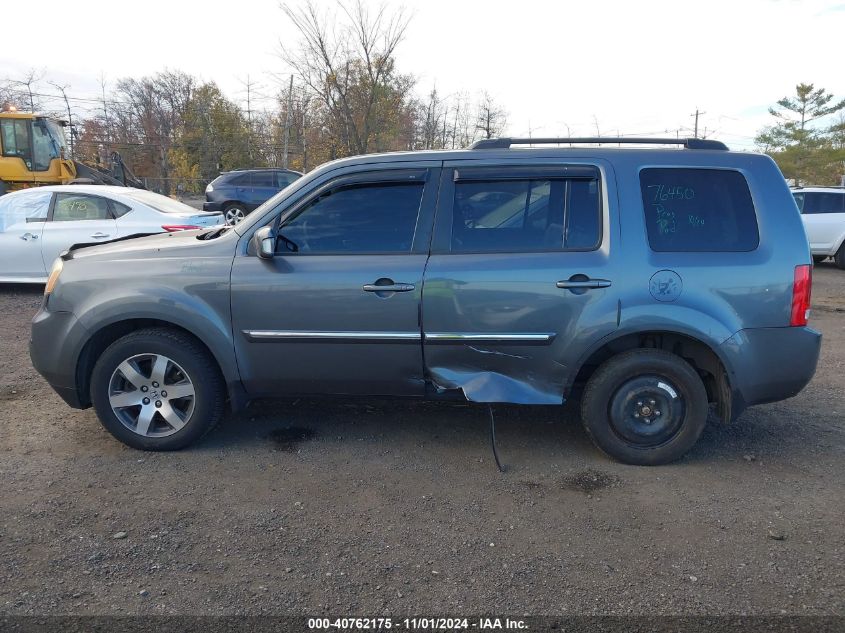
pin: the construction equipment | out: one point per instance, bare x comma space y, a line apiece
33, 152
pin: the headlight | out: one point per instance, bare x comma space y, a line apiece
209, 188
54, 275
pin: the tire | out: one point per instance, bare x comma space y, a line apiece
234, 213
839, 258
624, 394
818, 259
137, 410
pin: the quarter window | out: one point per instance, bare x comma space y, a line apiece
526, 215
698, 210
119, 209
72, 206
371, 218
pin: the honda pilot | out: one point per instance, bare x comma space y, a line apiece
653, 284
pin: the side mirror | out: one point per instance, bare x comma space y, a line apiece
264, 242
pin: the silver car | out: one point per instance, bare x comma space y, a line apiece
37, 224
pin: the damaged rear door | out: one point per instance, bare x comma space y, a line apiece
519, 267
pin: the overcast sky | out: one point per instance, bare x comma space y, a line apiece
636, 67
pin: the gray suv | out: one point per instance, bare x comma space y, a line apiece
651, 283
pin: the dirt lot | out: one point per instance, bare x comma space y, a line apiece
375, 509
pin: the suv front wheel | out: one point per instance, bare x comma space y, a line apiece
645, 407
157, 389
234, 213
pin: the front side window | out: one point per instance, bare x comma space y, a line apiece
526, 215
73, 207
263, 179
823, 202
24, 207
243, 180
366, 218
698, 210
285, 179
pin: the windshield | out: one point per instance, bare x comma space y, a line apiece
57, 136
160, 202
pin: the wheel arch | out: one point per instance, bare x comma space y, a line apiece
100, 339
702, 354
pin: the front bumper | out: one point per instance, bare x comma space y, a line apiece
212, 206
770, 364
55, 343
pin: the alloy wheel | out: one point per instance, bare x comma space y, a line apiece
151, 395
234, 216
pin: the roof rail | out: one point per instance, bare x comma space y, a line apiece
689, 143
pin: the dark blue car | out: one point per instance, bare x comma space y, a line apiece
238, 192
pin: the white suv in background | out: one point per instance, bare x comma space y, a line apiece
823, 212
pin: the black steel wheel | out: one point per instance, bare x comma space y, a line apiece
645, 407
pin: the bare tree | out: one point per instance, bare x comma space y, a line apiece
62, 88
22, 92
348, 64
491, 119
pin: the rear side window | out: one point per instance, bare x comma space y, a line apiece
525, 215
71, 207
698, 210
822, 202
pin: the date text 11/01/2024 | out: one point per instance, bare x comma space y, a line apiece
416, 624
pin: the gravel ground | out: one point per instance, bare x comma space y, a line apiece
349, 507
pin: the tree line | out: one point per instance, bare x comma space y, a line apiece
346, 97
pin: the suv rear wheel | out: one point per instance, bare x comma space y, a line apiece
839, 258
645, 407
234, 213
157, 389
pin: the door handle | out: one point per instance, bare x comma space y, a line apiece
389, 287
582, 282
28, 236
99, 236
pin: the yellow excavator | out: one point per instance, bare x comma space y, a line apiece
33, 152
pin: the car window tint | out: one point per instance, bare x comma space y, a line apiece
285, 179
824, 202
263, 179
119, 209
698, 210
72, 206
24, 207
371, 218
583, 222
243, 180
525, 215
799, 201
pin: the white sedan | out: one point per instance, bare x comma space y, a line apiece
37, 224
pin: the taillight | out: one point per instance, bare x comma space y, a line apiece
172, 228
801, 286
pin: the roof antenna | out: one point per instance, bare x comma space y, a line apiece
493, 438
